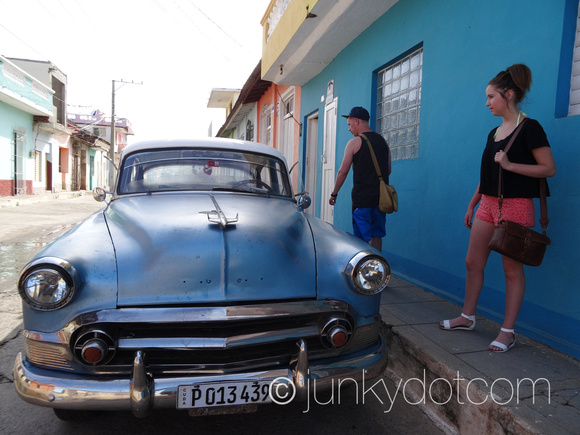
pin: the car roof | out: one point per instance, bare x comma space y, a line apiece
210, 142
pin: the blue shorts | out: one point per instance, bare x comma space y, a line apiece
368, 223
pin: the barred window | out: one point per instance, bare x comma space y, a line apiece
399, 104
249, 131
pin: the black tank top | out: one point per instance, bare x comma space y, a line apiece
365, 190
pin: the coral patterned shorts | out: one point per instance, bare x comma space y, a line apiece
520, 210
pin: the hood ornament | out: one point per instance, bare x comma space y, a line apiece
217, 216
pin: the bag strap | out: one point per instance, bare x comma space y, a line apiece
543, 202
544, 221
375, 162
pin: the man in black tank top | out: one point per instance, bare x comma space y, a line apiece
368, 222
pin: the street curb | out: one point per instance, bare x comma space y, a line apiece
15, 201
426, 375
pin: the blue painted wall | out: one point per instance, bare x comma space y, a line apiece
465, 43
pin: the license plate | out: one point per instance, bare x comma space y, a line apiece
222, 394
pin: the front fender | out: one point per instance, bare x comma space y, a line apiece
88, 248
334, 250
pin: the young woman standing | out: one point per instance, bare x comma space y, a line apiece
529, 159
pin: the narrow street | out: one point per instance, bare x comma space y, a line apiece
24, 230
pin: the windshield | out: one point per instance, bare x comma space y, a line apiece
199, 169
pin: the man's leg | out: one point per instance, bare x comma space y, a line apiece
378, 228
361, 223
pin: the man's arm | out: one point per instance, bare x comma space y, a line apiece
352, 147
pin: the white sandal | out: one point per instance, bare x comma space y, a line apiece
501, 346
447, 326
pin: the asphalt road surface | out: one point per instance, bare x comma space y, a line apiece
24, 230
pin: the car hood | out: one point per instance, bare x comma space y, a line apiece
172, 249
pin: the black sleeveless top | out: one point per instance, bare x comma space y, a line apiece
365, 190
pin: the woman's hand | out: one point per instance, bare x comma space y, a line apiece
502, 158
471, 207
468, 217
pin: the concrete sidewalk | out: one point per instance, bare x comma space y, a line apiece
531, 389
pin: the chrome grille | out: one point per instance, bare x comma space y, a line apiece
47, 354
196, 340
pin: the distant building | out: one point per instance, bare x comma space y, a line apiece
29, 158
42, 147
97, 123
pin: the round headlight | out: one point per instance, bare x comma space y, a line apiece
46, 288
369, 274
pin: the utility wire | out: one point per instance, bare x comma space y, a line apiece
215, 24
24, 42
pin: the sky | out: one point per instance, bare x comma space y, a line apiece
178, 49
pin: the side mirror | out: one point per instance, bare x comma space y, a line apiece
303, 200
99, 194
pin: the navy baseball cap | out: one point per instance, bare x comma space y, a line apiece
358, 112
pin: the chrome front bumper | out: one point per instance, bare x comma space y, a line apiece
142, 392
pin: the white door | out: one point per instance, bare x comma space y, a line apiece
328, 158
311, 161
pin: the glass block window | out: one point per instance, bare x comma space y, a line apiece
399, 104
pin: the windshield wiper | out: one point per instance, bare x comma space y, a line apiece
245, 189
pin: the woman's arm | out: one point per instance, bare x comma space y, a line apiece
545, 167
474, 201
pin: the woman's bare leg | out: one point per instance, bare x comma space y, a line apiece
475, 261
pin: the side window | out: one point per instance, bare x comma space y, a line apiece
399, 104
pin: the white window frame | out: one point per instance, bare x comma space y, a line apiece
266, 125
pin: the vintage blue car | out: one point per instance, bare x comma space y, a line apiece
203, 285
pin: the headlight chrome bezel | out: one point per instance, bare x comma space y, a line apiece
355, 271
61, 271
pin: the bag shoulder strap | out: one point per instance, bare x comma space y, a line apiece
543, 202
375, 162
519, 127
544, 221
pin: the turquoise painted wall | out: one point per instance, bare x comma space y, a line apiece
11, 120
25, 90
465, 44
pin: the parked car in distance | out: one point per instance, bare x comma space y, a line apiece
203, 285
